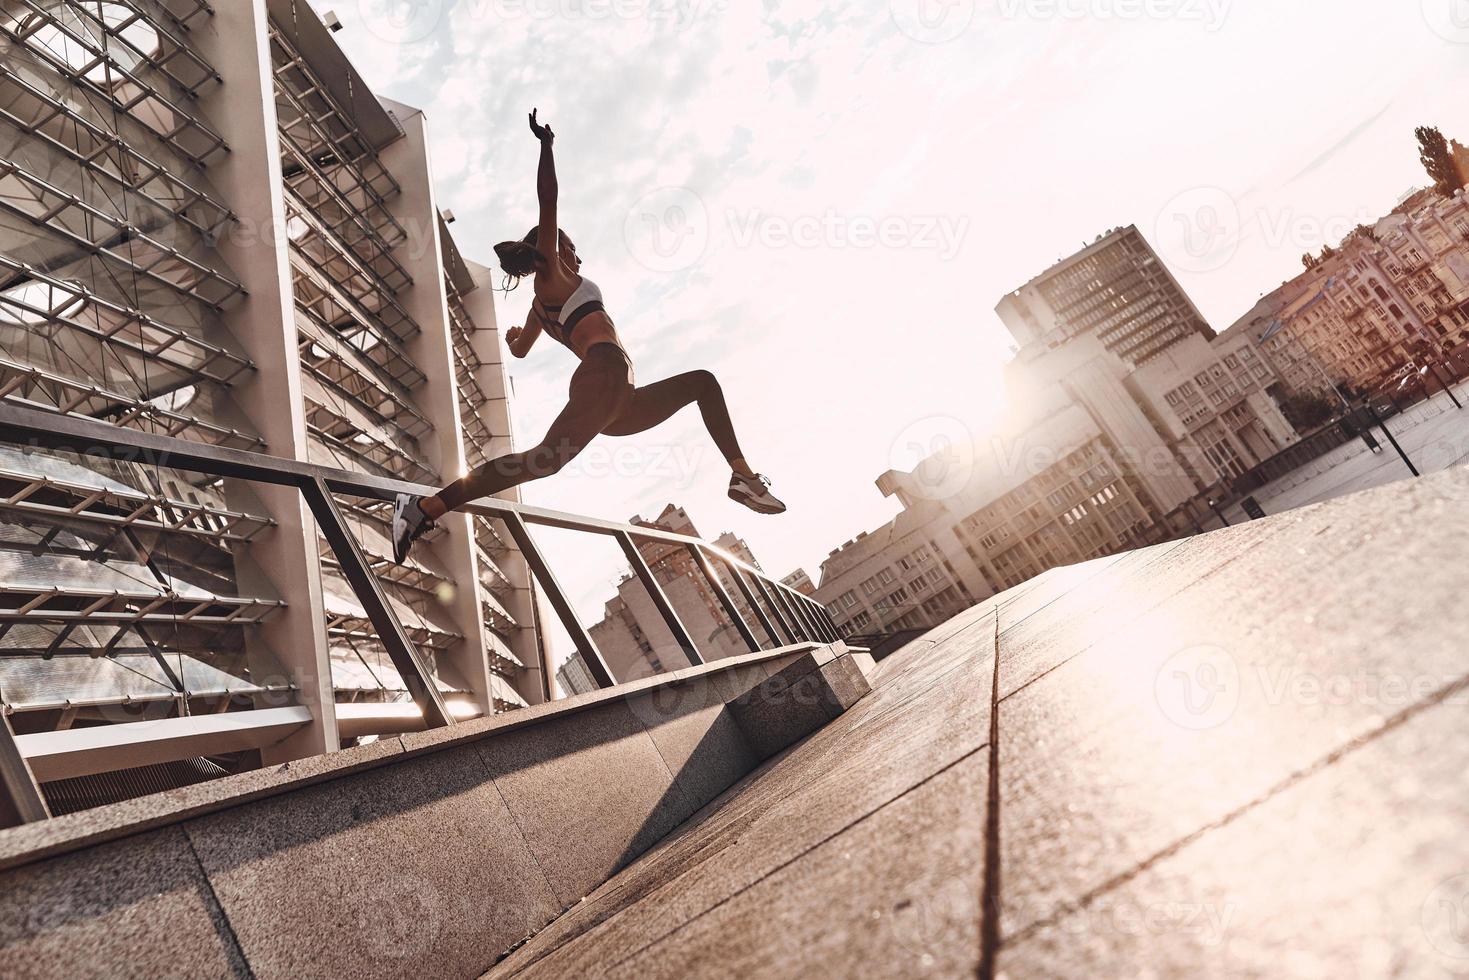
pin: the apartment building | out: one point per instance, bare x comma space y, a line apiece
1119, 431
1387, 295
800, 581
248, 259
1117, 290
632, 636
905, 575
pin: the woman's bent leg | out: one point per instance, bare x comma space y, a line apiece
656, 403
599, 392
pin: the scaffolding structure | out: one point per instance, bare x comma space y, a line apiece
136, 162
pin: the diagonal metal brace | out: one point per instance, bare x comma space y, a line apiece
368, 590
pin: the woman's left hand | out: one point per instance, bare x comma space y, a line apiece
542, 130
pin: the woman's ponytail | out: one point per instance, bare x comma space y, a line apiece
522, 258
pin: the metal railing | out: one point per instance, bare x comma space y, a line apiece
782, 615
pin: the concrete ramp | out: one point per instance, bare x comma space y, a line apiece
428, 854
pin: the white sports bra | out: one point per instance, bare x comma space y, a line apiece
584, 300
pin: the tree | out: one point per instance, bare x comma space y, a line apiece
1307, 411
1433, 151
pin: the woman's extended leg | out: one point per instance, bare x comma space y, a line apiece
656, 403
600, 391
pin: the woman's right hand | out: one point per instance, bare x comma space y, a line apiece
542, 130
513, 335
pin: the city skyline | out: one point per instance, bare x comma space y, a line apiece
752, 84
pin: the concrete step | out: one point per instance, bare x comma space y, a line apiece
430, 853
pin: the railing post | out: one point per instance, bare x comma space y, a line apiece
799, 601
368, 590
817, 612
660, 600
753, 603
20, 798
798, 626
780, 615
590, 655
722, 595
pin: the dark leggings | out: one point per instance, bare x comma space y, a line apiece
603, 399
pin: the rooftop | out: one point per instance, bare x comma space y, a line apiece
1150, 762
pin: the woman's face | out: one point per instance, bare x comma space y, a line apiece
568, 253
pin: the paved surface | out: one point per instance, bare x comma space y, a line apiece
1433, 433
1238, 755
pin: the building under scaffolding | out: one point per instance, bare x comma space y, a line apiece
189, 247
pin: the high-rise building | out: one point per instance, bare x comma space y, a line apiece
1127, 414
1117, 290
211, 228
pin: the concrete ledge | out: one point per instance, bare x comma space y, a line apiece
431, 852
799, 699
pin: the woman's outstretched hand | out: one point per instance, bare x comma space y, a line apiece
542, 131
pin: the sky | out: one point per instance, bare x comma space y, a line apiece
823, 202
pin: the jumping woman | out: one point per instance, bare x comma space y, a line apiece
603, 396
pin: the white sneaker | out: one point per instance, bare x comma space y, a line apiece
409, 524
754, 493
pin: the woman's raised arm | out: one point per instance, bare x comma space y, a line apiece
546, 191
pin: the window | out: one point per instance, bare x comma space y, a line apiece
34, 303
847, 599
870, 586
886, 576
76, 35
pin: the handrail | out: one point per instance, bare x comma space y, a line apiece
48, 430
798, 615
